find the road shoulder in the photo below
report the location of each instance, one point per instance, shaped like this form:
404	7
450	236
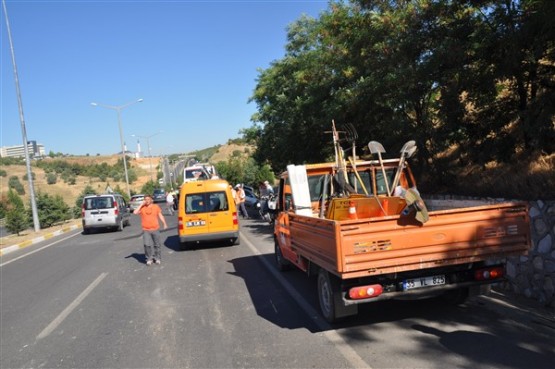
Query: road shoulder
29	237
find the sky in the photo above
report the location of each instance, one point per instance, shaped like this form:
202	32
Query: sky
194	64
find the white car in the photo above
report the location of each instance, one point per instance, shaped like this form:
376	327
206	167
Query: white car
136	201
104	211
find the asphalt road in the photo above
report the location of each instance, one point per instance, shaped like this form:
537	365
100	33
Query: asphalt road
89	301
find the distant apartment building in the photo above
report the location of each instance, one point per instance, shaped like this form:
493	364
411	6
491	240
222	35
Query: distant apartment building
35	150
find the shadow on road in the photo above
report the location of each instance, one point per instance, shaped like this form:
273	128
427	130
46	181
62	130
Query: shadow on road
504	336
139	257
487	348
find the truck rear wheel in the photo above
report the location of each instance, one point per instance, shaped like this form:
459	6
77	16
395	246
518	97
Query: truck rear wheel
281	263
327	291
329	294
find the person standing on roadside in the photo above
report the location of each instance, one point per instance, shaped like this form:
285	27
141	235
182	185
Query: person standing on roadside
151	214
169	203
240	200
265	190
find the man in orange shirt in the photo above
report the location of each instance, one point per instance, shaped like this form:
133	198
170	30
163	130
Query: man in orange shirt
150	214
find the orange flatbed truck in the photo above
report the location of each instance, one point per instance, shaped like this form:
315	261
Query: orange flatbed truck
369	246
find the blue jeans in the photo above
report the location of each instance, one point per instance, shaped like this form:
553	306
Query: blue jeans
153	249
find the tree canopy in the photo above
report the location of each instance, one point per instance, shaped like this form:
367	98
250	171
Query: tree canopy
472	82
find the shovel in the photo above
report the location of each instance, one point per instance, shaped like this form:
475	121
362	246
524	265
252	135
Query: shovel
377	148
407	151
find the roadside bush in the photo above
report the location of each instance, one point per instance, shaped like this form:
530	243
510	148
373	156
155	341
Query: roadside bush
132	175
17	219
14	183
26	177
123	193
51	178
3	206
51	210
3	173
76	210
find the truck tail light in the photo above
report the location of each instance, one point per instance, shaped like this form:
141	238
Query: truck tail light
83	211
234	216
489	273
365	292
180	223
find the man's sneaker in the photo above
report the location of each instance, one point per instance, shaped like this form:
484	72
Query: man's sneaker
157	262
149	262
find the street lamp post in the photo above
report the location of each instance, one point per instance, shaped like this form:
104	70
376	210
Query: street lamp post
148	145
118	109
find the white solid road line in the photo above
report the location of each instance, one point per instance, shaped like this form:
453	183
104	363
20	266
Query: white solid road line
335	338
37	250
60	318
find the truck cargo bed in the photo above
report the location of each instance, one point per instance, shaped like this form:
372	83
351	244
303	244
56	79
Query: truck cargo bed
391	244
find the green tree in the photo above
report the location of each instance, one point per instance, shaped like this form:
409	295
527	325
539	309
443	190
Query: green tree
76	209
88	190
265	173
238	169
132	175
469	81
123	193
149	187
17	218
51	210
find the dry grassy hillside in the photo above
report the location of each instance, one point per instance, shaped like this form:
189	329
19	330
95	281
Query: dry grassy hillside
225	151
71	192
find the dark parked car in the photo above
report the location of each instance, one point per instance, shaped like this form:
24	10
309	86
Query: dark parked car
250	197
159	195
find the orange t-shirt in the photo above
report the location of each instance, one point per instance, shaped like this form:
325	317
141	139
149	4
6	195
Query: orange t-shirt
149	217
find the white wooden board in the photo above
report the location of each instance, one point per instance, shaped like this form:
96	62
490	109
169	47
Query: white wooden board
299	188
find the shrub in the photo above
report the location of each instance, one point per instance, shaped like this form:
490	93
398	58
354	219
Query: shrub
86	191
14	183
132	175
3	207
51	210
51	178
17	218
26	177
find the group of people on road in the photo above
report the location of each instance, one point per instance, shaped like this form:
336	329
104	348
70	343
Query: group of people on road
152	215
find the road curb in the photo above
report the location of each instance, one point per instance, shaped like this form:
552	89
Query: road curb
44	237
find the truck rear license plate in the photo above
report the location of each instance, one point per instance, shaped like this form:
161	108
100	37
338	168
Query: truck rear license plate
196	223
435	280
